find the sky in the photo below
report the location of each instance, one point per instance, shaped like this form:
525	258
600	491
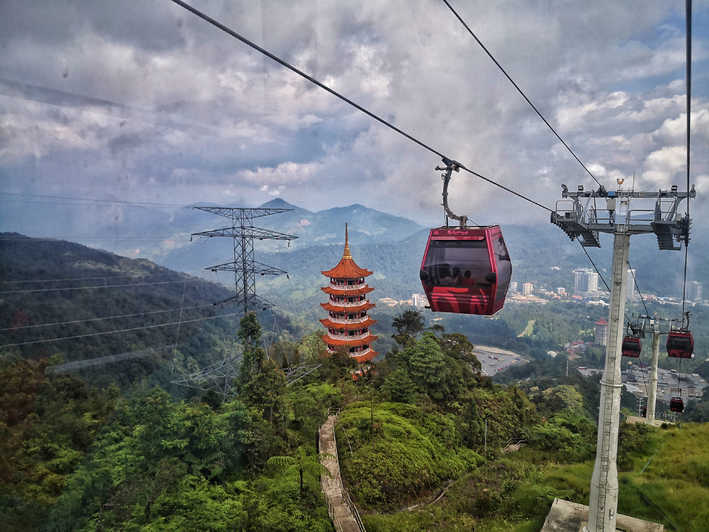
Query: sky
144	102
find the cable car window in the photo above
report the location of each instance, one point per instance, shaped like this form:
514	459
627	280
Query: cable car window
457	262
504	266
680	342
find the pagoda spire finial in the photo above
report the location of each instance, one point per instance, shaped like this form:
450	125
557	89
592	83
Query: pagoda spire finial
347	254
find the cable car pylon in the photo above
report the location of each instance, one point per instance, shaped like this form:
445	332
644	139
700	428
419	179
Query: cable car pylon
578	215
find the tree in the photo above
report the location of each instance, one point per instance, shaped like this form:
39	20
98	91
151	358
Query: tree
249	329
266	391
302	462
399	387
407	324
458	346
427	366
254	355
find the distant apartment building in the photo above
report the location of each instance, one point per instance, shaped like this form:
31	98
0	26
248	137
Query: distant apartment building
514	286
527	289
585	281
694	291
419	300
601	333
630	284
561	291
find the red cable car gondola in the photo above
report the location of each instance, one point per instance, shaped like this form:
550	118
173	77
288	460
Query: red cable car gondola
680	344
466	270
631	346
676	404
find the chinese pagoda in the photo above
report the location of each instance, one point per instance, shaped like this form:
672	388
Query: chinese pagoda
347	322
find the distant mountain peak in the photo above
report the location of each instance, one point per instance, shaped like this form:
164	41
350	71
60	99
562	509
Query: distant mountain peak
278	203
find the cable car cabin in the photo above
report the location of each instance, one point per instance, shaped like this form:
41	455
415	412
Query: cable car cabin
680	344
466	271
676	404
631	346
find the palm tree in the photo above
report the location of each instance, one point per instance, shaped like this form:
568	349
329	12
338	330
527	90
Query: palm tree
301	462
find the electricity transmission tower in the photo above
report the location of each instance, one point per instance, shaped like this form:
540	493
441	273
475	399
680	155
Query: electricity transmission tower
243	232
220	376
579	217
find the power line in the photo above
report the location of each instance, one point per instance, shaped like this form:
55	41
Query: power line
103	318
74	238
98	286
521	92
94	200
92	278
117	331
391	126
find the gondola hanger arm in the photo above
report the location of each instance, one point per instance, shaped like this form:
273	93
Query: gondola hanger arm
446	176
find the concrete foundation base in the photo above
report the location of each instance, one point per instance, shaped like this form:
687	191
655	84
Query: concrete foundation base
656	423
566	516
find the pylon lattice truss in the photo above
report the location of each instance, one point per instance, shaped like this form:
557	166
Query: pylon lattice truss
243	232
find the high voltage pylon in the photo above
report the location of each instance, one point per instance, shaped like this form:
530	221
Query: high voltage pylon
243	232
220	376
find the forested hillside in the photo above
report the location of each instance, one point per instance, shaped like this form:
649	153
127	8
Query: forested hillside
68	302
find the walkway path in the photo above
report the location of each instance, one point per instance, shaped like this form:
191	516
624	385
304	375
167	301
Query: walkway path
337	500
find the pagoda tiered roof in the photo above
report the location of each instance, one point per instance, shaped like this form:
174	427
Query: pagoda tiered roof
349	343
366	357
366	305
348	326
347	292
347	268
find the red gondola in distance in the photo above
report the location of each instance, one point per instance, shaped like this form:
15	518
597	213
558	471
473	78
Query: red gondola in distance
466	270
680	344
676	404
631	347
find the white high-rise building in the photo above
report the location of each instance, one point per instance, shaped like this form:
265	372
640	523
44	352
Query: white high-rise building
585	281
630	283
694	291
514	286
419	300
527	289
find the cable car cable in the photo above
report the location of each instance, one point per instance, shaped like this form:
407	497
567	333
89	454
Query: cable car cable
688	37
635	281
594	267
117	331
391	126
521	92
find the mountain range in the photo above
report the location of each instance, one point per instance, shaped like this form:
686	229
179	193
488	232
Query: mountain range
389	245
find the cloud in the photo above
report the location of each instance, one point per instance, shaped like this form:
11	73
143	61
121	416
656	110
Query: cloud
147	102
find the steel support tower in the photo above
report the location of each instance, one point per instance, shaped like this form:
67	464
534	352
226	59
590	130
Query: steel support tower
243	232
658	327
579	216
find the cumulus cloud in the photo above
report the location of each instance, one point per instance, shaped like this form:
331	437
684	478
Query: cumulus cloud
146	102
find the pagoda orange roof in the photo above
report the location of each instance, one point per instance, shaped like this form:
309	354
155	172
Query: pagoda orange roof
348	326
349	343
353	292
347	268
366	305
369	355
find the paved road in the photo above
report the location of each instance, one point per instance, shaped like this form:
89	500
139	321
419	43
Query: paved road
340	512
